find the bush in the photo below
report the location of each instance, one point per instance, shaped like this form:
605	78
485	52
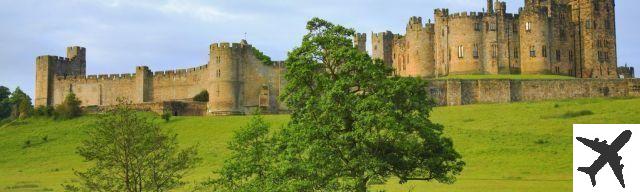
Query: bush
203	96
44	111
572	114
69	109
27	143
166	115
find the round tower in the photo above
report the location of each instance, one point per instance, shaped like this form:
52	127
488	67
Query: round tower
466	45
224	67
419	49
534	34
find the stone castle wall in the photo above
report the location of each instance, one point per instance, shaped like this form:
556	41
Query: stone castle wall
464	92
236	80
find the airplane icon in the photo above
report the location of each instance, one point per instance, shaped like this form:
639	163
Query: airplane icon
608	154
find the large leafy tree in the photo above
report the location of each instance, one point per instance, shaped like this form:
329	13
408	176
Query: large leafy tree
352	124
131	153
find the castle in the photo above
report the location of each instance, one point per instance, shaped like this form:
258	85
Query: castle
237	81
566	37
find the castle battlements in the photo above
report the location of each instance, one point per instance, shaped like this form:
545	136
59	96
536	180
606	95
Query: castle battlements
465	15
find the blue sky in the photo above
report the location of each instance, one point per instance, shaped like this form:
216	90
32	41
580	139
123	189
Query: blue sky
168	34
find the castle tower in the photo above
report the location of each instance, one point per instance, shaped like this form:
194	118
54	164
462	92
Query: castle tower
144	80
78	64
224	66
419	49
360	41
441	41
534	34
45	67
490	6
595	38
382	47
501	7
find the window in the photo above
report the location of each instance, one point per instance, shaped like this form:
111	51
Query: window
570	56
475	51
532	51
478	26
544	51
558	56
527	26
460	51
494	50
218	73
217	59
492	26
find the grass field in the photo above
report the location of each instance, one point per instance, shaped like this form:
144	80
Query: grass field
507	147
514	77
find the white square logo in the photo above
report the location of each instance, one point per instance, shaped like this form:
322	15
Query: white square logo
606	158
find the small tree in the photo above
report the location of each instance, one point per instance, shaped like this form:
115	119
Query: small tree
132	154
70	107
21	106
5	104
203	96
251	156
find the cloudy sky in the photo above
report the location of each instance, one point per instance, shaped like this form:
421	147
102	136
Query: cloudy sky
168	34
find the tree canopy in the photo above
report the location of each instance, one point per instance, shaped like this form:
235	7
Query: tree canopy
131	153
353	124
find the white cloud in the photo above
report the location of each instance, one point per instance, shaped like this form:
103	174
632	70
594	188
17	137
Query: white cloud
206	13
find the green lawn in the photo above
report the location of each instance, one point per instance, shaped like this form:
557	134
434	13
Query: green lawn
507	147
515	77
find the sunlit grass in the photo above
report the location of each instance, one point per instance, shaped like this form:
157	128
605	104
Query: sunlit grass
507	147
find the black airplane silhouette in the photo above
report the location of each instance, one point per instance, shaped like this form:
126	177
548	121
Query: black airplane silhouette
608	154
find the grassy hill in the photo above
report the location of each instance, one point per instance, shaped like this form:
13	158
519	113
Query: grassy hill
507	147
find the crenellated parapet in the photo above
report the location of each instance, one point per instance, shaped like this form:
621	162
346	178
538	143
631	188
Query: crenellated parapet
467	15
180	72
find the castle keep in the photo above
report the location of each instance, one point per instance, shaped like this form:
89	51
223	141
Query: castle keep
565	37
236	80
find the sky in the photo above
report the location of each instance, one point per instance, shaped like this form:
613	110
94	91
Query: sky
172	34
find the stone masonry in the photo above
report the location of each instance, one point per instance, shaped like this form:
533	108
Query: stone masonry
237	82
565	37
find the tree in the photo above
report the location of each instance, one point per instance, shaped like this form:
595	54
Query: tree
5	105
251	156
352	124
203	96
70	107
21	106
131	153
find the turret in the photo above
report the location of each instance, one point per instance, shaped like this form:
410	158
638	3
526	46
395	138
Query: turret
143	84
360	41
224	71
501	7
382	47
77	55
490	6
